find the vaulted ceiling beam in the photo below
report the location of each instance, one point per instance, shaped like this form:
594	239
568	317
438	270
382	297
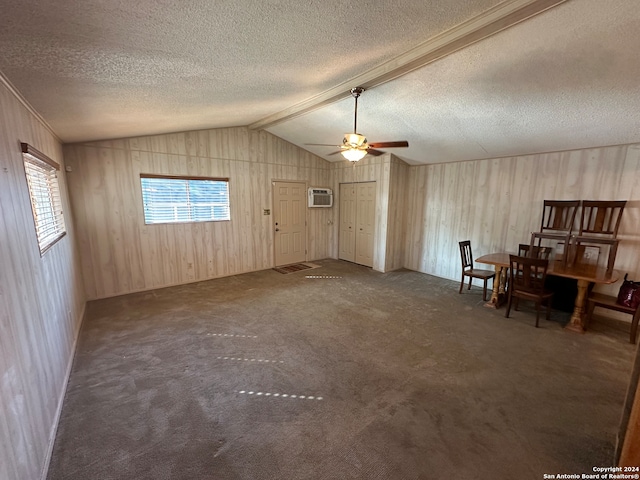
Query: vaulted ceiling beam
490	22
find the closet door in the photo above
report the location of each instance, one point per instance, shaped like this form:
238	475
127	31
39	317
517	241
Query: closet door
365	222
347	234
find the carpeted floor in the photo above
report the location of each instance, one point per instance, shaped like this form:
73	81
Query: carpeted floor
350	375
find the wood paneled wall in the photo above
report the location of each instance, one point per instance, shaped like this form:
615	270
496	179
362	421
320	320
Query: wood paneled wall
497	203
396	214
41	304
120	254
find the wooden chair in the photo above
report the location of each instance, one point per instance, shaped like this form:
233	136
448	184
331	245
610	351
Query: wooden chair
557	221
538	252
610	302
599	224
468	271
526	281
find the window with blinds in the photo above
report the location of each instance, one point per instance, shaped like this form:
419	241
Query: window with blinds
169	199
44	192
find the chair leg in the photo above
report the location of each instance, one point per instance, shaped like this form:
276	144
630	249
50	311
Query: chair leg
634	326
484	291
537	313
461	283
470	278
549	309
506	314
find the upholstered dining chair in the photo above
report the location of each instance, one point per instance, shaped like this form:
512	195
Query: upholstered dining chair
526	281
466	257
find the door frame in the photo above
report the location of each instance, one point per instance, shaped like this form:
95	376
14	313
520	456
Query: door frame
272	221
375	225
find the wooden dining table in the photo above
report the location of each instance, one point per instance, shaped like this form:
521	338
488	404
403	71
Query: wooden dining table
586	275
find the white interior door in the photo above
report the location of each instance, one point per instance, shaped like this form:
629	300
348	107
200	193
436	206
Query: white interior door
365	222
290	225
357	222
347	234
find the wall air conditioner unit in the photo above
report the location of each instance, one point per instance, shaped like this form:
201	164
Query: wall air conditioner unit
320	197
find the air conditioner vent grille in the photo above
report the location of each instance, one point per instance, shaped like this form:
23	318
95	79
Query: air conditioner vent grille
320	197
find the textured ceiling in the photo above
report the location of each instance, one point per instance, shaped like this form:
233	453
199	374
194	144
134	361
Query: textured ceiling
95	69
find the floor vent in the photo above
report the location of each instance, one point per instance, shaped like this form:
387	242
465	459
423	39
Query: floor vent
295	267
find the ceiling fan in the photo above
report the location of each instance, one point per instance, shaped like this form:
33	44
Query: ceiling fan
354	145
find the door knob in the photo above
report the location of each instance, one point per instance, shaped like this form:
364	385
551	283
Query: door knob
277	229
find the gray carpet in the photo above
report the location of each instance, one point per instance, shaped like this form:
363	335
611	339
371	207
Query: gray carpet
366	376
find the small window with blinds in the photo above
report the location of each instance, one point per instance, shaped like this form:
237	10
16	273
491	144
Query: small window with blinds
172	199
44	191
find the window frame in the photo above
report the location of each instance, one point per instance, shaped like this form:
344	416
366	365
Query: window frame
185	178
43	185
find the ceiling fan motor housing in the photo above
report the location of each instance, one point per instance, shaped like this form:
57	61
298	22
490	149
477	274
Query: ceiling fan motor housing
354	140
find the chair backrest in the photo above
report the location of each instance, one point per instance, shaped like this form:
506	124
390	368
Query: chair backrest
538	252
527	274
601	217
559	215
465	254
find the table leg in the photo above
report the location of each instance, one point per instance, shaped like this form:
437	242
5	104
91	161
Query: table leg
576	324
498	292
502	289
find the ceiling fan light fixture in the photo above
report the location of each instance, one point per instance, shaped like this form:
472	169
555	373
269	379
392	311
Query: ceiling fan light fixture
353	154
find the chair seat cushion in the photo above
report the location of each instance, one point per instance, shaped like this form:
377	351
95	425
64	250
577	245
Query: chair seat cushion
479	273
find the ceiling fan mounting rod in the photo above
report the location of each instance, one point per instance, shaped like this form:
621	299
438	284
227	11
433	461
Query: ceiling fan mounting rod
355	92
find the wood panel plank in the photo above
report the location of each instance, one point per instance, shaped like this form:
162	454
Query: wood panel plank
397	214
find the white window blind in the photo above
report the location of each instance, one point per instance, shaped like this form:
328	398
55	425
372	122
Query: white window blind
44	192
169	199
